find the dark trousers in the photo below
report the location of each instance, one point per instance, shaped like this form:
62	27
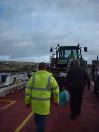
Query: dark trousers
76	94
40	122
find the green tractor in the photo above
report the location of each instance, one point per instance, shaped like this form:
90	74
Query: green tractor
62	59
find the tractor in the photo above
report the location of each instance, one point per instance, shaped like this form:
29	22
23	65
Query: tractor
62	59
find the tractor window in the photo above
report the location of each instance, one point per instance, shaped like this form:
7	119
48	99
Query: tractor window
70	54
64	54
67	53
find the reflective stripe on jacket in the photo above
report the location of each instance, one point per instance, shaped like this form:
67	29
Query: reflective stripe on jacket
38	92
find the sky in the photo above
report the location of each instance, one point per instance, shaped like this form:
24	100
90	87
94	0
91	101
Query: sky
28	28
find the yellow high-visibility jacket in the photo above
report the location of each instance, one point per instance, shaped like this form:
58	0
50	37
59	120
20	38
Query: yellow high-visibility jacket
38	92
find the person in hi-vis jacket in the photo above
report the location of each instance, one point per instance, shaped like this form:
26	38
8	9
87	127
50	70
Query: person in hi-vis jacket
38	93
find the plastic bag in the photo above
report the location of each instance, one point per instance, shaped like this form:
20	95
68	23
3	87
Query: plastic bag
64	97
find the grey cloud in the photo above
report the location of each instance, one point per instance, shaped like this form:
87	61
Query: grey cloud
30	28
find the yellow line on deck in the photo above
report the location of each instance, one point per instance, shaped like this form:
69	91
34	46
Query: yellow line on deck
5	100
23	123
8	105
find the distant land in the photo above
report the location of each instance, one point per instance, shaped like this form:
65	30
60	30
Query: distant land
14	66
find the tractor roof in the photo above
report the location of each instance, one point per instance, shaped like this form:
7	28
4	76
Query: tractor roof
69	47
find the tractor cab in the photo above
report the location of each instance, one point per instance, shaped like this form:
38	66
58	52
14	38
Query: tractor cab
62	59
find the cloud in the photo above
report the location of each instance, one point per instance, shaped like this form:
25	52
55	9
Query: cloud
29	30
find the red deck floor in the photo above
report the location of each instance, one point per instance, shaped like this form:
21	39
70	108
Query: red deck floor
13	116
